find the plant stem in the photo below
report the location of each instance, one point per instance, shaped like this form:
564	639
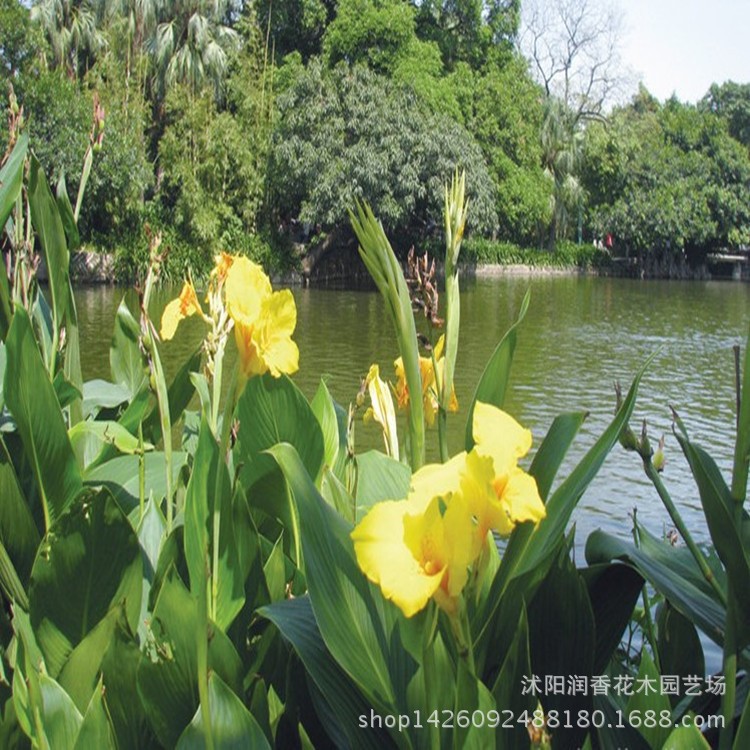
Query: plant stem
674	514
443	433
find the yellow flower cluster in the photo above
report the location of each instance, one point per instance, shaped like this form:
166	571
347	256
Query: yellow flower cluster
423	547
432	373
263	320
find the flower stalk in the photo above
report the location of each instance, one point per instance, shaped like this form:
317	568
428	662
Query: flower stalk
456	210
378	256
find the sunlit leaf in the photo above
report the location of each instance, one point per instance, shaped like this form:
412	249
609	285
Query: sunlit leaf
31	399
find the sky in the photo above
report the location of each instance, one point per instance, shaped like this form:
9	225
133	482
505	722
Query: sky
683	46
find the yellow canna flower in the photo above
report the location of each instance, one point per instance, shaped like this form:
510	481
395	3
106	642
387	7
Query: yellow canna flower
184	306
427	372
417	549
264	321
223	262
422	547
382	410
500	493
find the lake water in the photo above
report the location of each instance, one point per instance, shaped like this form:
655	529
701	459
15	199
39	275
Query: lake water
581	334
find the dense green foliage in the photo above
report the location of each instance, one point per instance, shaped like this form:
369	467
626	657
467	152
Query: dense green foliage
667	177
253	126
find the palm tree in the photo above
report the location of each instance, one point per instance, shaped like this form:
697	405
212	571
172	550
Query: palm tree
561	156
71	27
189	44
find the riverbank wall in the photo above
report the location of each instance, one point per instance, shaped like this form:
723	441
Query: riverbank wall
99	268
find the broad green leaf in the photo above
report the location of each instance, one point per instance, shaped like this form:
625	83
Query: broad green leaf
168	671
494	381
341	597
325	412
66	215
336	495
130	419
273	410
124	706
10	582
553	450
613	593
45	217
507	690
99	394
60	718
724	518
125	357
649	699
44	325
72	358
379	477
670	570
680	649
11	179
18	532
32	401
179	394
564	499
92	563
65	391
614	730
688	738
561	609
295	619
209	502
80	674
96	729
120	476
232	725
107	433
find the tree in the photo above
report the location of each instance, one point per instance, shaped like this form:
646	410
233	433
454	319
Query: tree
73	32
573	47
561	144
211	187
731	101
468	30
371	31
350	134
667	179
502	107
190	45
18	40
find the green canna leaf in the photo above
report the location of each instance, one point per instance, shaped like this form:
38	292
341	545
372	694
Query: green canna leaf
32	401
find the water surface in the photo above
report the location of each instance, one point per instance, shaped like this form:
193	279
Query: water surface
581	334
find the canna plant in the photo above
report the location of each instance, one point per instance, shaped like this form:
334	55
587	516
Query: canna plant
703	589
208	562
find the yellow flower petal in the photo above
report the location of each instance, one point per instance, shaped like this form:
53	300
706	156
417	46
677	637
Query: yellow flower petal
388	562
281	356
436	480
185	305
382	409
522	498
498	435
246	289
170	319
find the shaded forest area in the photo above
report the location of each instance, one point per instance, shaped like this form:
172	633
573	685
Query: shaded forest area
253	127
